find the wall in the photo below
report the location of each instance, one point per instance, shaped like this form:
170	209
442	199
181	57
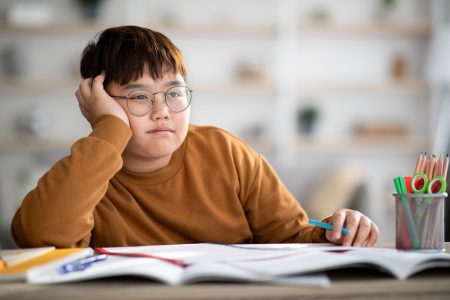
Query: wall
252	66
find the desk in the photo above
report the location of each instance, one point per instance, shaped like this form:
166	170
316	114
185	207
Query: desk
346	284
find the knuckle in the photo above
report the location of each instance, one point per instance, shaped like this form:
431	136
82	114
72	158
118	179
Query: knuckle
339	213
365	222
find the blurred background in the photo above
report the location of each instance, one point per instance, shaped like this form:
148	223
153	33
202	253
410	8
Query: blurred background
340	96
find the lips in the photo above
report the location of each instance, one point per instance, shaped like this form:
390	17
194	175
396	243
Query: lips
160	130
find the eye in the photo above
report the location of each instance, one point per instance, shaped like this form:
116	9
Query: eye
174	94
138	97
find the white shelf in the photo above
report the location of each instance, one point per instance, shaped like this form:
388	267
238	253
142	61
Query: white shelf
244	87
28	144
39	85
364	145
18	85
412	29
90	28
408	86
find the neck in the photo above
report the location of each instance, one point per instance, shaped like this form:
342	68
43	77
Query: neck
139	165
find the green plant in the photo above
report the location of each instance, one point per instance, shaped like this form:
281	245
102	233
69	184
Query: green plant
308	113
88	2
389	3
89	8
306	118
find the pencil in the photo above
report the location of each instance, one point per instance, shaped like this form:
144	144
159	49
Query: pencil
436	168
2	262
418	164
431	168
439	167
424	164
444	172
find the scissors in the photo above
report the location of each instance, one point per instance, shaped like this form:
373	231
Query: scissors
421	185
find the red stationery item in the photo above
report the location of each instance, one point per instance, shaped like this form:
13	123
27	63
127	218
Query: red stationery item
407	180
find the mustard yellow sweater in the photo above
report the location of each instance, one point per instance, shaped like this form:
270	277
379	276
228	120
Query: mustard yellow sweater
215	189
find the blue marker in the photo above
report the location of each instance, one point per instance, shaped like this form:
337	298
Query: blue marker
326	226
81	264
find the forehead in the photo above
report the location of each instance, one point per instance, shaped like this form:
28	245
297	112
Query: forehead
147	82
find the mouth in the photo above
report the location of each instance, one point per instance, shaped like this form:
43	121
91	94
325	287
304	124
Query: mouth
161	130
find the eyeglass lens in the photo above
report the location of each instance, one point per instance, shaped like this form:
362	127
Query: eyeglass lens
141	102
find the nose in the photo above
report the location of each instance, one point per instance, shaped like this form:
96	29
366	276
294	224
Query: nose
160	111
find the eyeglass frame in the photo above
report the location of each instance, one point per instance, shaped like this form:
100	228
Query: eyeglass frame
154	100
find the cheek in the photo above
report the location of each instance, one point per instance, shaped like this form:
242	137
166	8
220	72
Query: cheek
123	104
183	122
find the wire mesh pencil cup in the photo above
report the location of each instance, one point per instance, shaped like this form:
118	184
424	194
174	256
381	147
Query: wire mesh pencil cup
419	222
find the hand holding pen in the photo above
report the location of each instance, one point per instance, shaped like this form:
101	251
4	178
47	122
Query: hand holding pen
360	231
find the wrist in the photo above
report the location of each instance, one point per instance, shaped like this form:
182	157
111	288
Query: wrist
112	129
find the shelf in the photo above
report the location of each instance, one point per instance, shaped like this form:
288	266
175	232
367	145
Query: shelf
364	145
65	28
413	29
90	28
39	85
243	87
411	86
35	145
70	84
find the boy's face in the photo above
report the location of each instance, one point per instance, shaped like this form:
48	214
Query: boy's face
159	133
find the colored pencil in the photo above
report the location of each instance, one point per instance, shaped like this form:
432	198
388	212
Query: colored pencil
418	164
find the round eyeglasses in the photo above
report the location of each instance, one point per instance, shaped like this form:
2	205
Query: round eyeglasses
141	102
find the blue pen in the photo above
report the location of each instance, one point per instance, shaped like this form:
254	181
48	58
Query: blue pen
81	264
326	226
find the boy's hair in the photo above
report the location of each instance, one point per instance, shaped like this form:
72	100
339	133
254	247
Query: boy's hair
126	52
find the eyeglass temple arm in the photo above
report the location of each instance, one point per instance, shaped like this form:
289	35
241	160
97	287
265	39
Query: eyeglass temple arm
120	97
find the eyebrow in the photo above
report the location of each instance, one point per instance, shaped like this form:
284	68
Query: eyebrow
131	86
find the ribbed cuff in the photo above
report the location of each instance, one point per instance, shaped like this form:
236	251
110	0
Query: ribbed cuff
112	130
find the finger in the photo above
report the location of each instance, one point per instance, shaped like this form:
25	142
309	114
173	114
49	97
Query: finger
373	236
78	94
85	88
97	83
352	223
363	232
338	220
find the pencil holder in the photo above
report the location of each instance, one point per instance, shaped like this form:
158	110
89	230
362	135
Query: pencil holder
419	222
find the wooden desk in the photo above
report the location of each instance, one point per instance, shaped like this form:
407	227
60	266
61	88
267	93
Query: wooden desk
346	284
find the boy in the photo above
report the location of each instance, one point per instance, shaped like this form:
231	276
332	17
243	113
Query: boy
145	176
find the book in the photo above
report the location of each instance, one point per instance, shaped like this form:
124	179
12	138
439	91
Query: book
266	263
19	261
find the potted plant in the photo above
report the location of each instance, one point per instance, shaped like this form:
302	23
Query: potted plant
307	118
90	8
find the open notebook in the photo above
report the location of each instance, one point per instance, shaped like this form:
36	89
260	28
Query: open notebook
191	263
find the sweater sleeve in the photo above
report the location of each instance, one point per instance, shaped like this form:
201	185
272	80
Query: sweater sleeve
59	211
273	213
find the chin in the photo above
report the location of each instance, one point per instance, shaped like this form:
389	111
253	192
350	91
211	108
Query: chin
159	152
